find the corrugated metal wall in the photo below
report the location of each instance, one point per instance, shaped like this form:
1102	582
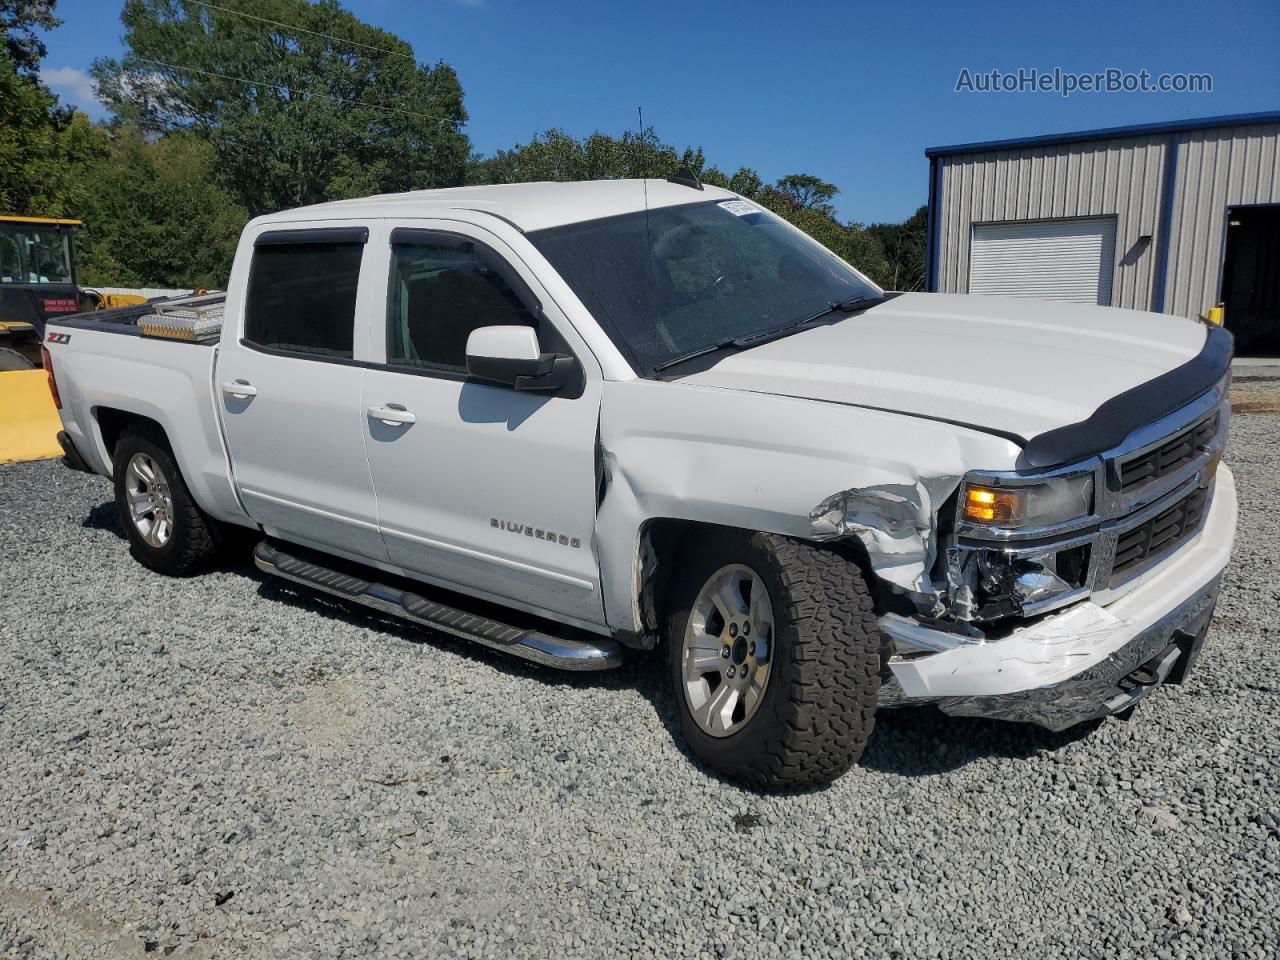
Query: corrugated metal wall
1217	168
1120	178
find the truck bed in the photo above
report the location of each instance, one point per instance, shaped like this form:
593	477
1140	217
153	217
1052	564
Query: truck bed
107	370
124	320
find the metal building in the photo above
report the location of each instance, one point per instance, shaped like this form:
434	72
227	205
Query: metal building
1175	217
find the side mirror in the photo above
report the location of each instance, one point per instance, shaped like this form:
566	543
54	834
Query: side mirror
511	356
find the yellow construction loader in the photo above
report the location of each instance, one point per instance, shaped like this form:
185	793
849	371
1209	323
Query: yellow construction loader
37	281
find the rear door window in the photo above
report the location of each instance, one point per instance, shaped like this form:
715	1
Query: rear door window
302	295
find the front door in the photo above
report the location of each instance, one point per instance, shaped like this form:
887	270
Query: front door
482	488
289	387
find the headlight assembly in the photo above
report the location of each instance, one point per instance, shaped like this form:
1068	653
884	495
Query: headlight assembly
1045	503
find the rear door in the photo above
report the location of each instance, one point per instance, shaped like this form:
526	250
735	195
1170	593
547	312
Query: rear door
483	488
289	387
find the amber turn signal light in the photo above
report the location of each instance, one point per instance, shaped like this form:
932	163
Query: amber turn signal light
986	505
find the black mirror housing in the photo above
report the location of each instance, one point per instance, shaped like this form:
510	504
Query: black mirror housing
547	373
507	370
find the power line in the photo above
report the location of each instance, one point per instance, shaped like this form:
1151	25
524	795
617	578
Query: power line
386	50
297	93
292	26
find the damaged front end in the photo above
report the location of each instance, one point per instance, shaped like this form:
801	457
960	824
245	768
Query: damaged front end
996	566
948	544
1021	545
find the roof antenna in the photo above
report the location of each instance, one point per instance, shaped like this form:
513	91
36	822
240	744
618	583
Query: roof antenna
686	178
643	178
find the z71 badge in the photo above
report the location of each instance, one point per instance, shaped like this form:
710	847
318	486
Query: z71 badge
59	338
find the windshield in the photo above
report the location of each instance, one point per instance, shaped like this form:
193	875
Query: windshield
33	255
686	278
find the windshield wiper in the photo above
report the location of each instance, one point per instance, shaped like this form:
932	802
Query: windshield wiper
755	339
700	352
836	306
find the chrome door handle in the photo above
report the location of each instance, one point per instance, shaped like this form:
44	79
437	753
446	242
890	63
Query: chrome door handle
240	389
392	415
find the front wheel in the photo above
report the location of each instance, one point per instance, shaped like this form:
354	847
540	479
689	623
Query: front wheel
774	652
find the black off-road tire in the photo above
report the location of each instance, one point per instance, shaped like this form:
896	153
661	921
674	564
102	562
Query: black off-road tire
818	708
197	539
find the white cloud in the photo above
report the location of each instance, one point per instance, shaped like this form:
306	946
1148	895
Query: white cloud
75	85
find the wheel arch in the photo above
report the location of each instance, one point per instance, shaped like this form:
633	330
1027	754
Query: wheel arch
112	422
661	541
206	471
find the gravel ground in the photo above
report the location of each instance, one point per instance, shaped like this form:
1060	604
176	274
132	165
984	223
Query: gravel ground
226	767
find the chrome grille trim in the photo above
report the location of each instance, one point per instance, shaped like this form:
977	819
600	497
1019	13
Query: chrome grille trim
1115	510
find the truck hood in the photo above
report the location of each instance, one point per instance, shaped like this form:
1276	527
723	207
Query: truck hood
1012	366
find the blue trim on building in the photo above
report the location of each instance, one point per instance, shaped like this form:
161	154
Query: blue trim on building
1108	133
931	231
1169	186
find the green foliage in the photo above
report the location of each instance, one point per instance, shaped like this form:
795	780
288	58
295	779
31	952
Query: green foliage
19	21
41	148
556	156
904	245
294	117
746	182
156	216
803	191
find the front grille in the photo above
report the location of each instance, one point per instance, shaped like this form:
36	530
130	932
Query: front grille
1159	535
1175	452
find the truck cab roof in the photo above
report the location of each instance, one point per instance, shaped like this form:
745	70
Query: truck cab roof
528	206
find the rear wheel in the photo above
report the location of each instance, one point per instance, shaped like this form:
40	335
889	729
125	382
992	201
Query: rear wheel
167	531
774	653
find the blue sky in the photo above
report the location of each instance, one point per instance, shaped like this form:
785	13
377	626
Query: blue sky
850	92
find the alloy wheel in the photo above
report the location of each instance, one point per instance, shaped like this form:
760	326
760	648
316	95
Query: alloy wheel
728	644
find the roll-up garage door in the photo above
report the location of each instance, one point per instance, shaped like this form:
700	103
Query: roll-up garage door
1049	259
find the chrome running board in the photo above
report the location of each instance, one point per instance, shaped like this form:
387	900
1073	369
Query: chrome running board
601	654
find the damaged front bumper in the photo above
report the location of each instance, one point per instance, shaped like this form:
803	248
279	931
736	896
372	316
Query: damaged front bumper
1086	661
1163	653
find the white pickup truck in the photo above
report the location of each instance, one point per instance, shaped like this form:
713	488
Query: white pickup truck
567	419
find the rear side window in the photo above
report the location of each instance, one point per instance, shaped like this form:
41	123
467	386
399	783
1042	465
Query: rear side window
302	297
440	292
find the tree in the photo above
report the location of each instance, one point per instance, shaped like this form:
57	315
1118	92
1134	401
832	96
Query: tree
555	155
19	21
41	147
803	191
27	174
746	182
155	215
294	116
904	247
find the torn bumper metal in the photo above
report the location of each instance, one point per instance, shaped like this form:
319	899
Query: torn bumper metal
1164	652
1086	661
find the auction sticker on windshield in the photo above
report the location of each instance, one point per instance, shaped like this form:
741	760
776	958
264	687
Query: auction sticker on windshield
740	208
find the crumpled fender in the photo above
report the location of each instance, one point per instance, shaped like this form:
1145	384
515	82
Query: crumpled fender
776	464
